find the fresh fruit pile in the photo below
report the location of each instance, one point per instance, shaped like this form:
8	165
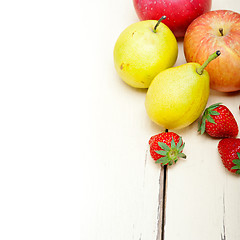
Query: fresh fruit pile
144	57
218	122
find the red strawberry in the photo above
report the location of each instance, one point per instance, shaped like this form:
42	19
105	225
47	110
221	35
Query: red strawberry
229	150
218	122
166	148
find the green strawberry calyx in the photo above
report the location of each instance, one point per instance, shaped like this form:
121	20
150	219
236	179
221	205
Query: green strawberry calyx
207	117
170	154
237	163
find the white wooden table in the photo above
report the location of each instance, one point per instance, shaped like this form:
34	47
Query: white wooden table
74	159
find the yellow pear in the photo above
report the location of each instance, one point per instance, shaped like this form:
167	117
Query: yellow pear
143	50
177	96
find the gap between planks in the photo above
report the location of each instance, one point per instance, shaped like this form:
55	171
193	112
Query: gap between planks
162	195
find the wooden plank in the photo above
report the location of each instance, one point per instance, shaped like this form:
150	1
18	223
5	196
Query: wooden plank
162	196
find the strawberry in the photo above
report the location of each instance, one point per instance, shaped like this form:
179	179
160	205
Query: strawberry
166	148
229	150
218	122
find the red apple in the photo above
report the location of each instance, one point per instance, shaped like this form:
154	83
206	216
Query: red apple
180	13
216	30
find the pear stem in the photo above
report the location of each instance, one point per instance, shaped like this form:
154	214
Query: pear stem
221	31
210	58
159	21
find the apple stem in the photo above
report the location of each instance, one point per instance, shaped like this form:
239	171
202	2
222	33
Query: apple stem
210	58
159	21
221	31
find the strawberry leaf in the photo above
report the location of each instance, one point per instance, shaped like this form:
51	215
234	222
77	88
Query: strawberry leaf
161	152
202	127
170	162
213	106
210	119
179	142
182	155
163	160
173	144
207	117
215	113
199	125
181	148
236	161
236	167
164	146
237	164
